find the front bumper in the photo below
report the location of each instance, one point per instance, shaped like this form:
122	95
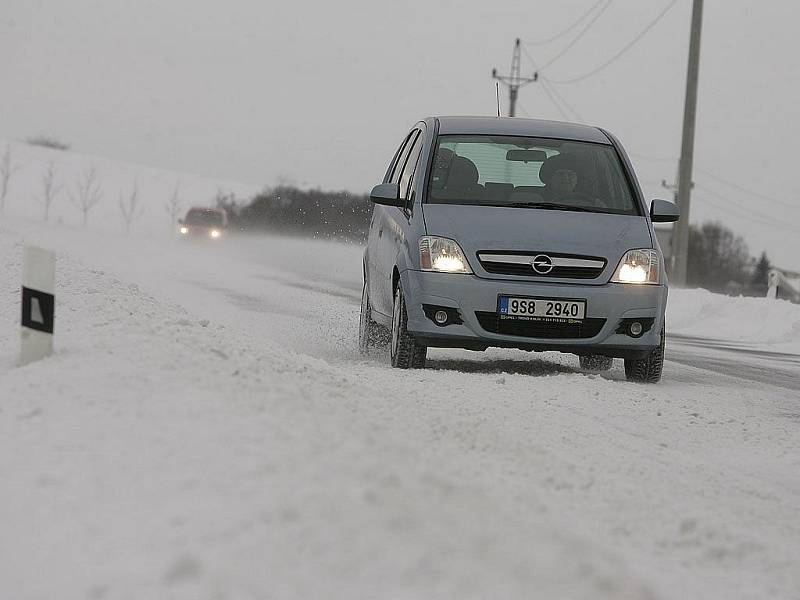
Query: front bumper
469	294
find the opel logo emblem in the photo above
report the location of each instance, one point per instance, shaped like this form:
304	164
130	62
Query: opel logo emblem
542	264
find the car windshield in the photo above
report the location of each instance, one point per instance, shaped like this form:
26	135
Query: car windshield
204	218
528	172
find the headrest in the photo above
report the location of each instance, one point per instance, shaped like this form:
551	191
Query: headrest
559	161
463	173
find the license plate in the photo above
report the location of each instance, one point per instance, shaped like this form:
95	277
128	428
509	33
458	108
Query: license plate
541	309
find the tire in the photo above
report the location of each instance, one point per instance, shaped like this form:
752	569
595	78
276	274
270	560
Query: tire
370	333
596	363
405	352
648	369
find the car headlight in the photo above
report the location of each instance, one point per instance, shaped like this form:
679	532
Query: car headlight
640	266
215	233
184	230
442	255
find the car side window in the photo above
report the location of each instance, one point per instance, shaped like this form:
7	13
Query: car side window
400	159
407	177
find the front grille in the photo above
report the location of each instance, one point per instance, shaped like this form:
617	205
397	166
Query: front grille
587	328
565	266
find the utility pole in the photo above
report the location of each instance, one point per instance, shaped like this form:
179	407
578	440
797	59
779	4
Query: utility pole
515	80
670	260
680	234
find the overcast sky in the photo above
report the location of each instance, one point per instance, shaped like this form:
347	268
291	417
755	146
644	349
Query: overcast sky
320	93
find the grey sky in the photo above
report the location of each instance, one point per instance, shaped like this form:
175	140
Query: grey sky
321	92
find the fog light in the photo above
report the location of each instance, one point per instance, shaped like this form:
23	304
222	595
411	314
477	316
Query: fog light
440	317
635	329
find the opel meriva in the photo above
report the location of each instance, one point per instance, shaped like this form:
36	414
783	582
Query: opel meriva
516	233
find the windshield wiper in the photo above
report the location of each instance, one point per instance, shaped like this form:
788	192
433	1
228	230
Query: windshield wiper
550	206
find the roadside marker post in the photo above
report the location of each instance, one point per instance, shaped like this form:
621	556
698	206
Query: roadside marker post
38	303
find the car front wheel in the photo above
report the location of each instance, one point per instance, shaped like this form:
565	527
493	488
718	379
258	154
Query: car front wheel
648	369
406	353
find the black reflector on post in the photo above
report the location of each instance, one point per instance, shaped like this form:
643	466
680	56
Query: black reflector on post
38	310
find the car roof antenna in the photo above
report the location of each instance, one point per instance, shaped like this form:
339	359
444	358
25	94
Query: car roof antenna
497	95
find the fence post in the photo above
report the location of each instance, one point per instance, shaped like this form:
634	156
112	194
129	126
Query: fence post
38	304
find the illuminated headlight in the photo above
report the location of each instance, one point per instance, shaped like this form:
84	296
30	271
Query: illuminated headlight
639	266
184	230
214	233
441	254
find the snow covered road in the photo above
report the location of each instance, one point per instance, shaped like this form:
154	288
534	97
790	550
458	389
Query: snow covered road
207	429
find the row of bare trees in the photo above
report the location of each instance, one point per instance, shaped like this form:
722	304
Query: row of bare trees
85	195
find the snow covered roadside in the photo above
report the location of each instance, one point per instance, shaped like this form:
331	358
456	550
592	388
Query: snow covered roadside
254	455
756	321
158	455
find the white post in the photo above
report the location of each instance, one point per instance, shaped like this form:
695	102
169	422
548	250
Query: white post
774	279
38	303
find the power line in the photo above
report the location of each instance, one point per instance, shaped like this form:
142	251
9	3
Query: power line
522	109
555	97
546	84
556	103
624	49
722	180
736	186
530	58
568	29
575	40
739	214
744	210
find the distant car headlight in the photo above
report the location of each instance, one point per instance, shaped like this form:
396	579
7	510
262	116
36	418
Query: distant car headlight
642	266
442	255
215	233
184	230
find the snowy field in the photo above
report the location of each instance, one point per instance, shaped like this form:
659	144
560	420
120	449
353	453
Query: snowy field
207	429
114	180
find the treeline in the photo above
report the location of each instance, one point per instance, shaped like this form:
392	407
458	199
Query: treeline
720	261
329	215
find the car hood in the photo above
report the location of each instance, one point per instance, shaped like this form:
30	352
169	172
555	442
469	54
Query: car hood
481	228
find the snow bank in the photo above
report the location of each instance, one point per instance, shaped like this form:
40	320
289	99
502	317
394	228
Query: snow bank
762	321
158	454
114	178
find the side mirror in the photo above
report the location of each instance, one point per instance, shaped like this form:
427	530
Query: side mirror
387	194
663	211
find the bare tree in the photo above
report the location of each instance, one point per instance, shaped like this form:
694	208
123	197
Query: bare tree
173	204
87	193
50	188
129	207
7	169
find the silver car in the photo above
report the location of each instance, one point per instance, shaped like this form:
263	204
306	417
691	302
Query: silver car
515	233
